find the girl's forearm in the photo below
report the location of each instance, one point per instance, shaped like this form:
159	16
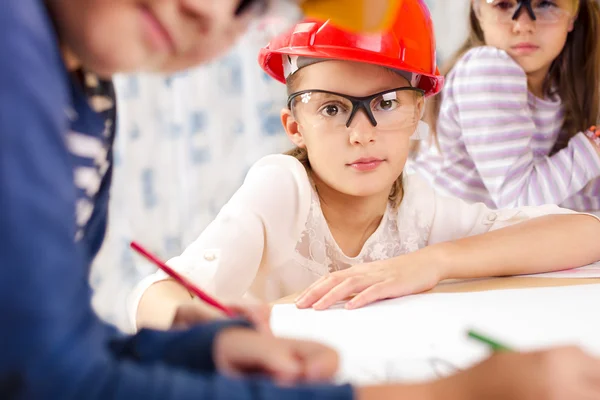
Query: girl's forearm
158	304
544	244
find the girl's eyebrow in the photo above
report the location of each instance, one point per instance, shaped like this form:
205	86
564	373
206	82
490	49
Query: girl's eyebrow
327	95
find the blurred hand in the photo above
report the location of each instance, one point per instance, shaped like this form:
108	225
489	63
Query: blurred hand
239	351
370	282
195	312
558	374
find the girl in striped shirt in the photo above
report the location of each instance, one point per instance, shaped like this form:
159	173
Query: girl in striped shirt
512	125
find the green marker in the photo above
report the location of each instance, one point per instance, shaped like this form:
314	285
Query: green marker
494	345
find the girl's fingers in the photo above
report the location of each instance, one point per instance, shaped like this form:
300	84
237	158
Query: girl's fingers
310	288
346	288
379	291
325	284
318	290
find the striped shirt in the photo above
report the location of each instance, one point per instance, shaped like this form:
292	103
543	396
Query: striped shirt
496	137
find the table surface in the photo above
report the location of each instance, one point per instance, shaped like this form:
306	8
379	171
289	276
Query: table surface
480	285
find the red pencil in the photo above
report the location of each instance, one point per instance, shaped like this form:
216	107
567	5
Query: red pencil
184	282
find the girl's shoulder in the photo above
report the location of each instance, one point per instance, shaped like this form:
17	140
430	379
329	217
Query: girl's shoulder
283	177
277	189
486	74
416	186
487	61
418	194
283	164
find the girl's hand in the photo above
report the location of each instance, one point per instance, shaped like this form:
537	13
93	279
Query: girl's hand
554	374
370	282
195	312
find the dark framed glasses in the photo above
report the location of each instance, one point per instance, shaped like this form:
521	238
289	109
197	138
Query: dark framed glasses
394	109
507	11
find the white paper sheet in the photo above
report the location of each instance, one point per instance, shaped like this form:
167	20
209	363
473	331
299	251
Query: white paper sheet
422	337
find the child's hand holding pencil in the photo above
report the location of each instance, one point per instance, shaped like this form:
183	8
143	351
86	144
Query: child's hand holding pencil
195	312
208	308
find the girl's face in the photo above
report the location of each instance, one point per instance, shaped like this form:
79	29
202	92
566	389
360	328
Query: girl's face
110	36
532	44
357	159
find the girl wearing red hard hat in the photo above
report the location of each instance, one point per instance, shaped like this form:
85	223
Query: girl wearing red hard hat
337	215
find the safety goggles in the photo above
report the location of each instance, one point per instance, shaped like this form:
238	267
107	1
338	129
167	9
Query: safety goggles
390	110
507	11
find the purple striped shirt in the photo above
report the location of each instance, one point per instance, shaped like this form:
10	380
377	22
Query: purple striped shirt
495	139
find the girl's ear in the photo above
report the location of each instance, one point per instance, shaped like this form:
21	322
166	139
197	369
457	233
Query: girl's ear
573	20
421	106
292	128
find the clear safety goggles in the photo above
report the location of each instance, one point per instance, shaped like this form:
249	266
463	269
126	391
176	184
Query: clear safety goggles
391	110
507	11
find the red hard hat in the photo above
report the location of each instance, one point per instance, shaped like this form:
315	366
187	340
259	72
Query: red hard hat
409	45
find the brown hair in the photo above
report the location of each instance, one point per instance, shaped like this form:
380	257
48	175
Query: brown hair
575	73
396	193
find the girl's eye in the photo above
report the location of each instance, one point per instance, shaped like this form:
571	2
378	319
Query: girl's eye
331	110
386	105
544	4
504	5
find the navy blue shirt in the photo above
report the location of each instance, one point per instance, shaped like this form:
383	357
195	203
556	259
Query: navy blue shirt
55	154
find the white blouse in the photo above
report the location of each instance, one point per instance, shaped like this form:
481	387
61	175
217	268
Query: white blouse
271	239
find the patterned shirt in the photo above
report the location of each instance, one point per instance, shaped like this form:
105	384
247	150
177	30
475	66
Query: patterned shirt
496	139
90	146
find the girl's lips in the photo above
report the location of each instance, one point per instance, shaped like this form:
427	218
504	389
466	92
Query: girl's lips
158	35
366	164
525	48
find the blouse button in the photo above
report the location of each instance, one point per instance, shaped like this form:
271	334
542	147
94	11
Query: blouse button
492	217
210	256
